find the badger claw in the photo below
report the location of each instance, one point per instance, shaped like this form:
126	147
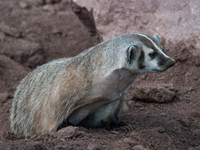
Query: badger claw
125	127
83	129
119	126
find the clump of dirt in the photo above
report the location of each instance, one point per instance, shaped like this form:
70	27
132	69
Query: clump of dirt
154	92
164	109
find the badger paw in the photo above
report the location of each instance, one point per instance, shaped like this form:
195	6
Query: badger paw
122	126
118	125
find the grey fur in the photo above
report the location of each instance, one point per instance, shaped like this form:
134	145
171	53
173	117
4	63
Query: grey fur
157	38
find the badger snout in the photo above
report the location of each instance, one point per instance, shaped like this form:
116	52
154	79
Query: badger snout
169	63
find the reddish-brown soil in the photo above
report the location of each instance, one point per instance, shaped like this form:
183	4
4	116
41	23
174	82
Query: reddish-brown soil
35	32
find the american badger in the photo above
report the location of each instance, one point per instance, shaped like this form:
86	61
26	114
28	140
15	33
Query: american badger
85	90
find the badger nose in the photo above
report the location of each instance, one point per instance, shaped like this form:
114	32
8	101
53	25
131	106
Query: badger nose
172	63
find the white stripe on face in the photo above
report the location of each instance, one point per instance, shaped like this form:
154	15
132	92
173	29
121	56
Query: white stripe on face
155	45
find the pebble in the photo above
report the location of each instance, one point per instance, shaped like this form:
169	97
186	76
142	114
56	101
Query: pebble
2	36
11	31
161	129
68	132
163	114
62	139
33	137
3	97
139	147
130	142
24	5
92	146
114	132
48	8
185	122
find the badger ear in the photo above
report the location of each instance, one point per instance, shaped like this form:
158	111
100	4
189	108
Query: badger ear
157	38
132	52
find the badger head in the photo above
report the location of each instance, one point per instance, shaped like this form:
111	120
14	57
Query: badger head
147	55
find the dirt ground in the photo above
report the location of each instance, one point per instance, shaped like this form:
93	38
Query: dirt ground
164	107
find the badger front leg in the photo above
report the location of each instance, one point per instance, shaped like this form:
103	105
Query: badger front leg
111	121
99	114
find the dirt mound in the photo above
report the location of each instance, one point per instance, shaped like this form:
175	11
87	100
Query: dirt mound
71	138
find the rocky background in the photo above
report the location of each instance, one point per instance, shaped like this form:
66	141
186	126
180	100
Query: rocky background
164	107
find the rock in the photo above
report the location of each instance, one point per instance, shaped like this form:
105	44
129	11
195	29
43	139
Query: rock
119	145
12	72
33	137
2	36
42	137
68	132
48	8
114	132
173	20
24	4
92	146
185	121
35	60
62	139
139	147
160	129
27	53
154	92
86	17
162	114
11	31
130	142
135	137
3	97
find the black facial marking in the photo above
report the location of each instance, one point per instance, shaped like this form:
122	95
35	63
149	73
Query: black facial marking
141	60
153	55
161	60
132	56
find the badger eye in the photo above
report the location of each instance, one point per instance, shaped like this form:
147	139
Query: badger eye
152	55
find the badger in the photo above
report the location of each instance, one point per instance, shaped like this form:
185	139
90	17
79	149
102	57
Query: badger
87	90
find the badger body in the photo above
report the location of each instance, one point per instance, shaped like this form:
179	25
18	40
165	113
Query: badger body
88	89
